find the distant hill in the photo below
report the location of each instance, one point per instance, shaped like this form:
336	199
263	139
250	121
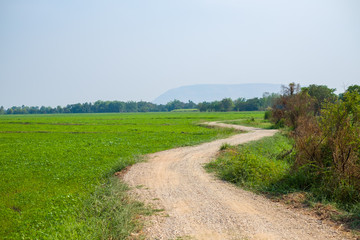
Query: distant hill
212	92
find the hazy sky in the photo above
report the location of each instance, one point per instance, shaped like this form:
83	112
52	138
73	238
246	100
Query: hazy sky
68	51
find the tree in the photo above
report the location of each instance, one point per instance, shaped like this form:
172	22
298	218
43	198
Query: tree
131	106
144	106
239	104
216	106
2	110
190	105
175	104
204	106
252	104
353	88
59	109
321	94
9	111
290	90
268	100
227	105
292	105
34	110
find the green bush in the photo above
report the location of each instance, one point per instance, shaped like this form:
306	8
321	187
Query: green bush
267	115
254	165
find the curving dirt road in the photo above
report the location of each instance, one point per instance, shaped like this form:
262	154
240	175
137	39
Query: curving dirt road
199	206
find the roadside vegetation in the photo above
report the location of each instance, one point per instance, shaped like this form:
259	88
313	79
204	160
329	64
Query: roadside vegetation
316	154
258	166
57	171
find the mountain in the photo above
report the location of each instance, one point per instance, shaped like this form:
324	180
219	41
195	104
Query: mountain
212	92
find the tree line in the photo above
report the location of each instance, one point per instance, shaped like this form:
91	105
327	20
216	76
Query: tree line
227	104
240	104
320	92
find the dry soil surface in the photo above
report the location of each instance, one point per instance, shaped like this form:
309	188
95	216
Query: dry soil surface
199	206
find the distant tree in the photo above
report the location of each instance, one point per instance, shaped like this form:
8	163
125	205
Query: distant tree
144	106
204	107
227	105
42	110
21	110
86	107
131	106
34	110
122	107
239	104
190	105
59	109
2	110
75	108
216	106
9	111
113	106
268	100
321	94
66	109
252	104
175	104
101	106
290	90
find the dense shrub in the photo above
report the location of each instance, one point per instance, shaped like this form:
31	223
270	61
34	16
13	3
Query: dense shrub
327	141
267	115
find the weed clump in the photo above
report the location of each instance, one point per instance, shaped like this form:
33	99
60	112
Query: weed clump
224	146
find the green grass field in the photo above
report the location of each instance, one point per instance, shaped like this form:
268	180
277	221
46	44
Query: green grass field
50	165
252	119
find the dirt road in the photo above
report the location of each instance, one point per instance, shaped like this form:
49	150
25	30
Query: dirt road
199	206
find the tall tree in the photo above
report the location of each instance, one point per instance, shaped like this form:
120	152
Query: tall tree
321	94
227	105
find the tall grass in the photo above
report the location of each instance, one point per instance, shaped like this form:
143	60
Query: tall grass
256	165
109	213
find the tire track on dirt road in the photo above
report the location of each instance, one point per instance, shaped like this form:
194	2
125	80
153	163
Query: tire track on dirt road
199	206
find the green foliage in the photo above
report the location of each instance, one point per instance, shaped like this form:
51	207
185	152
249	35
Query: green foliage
353	88
320	94
340	123
267	115
328	145
51	164
103	107
240	104
227	105
254	165
328	150
350	89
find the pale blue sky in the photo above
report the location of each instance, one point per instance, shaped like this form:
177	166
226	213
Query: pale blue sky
59	52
